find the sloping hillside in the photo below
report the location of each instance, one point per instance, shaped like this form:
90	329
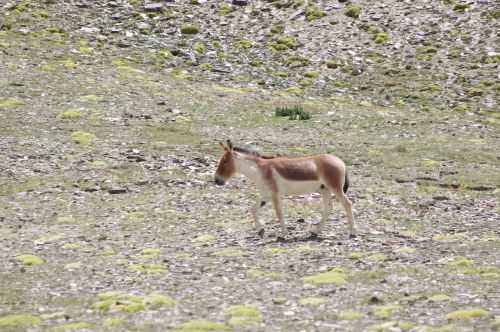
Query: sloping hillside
422	54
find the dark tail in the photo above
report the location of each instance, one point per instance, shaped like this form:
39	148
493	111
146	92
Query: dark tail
346	182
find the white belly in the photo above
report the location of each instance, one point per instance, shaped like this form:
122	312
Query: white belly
287	187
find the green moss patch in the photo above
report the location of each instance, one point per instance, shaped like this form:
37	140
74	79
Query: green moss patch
90	98
70	115
448	237
496	324
356	255
243	315
332	64
29	260
120	301
149	268
10	103
244	44
19	320
336	277
311	74
381	38
189	29
352	11
114	322
225	9
283	43
306	248
296	61
73	327
71	246
459	262
313	301
391	326
275	251
313	13
460	7
201	326
376	258
349	315
199	48
205	238
439	298
384	312
406	250
467	314
485	271
149	253
294	90
81	137
73	266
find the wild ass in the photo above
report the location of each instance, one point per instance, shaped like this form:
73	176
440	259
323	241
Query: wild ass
276	177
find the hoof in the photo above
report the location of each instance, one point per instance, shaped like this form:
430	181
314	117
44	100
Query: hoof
352	236
261	233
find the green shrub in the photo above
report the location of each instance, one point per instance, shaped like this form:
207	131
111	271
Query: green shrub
332	64
293	113
297	61
311	74
381	38
312	13
199	48
460	8
225	9
189	29
277	28
353	11
284	43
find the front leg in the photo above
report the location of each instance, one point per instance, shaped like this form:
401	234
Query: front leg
255	213
327	208
279	213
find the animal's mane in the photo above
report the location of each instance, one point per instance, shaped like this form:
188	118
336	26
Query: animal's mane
251	152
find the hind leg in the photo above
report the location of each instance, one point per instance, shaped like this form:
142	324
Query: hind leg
347	205
279	213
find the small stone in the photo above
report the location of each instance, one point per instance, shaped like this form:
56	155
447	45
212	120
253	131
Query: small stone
153	7
89	30
143	26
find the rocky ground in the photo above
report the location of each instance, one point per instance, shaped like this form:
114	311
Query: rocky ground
110	116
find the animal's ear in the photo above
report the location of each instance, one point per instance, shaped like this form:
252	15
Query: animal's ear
223	146
229	144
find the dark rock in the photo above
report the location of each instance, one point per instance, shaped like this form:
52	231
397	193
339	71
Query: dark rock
115	191
240	2
124	44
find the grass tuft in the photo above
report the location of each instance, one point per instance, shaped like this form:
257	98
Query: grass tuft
293	113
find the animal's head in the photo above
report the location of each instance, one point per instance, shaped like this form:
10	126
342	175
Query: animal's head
226	167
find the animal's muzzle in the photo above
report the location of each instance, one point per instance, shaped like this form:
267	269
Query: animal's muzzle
219	181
